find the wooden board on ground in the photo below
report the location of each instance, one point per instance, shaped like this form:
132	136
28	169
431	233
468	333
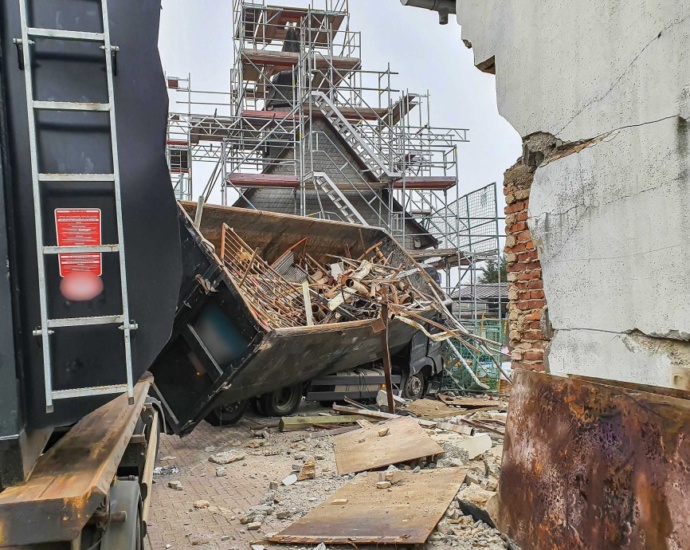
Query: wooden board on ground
365	449
292	423
379	414
429	408
406	513
469	402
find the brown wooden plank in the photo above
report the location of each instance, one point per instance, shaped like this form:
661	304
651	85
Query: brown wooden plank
406	513
470	402
292	423
366	450
428	408
380	414
71	480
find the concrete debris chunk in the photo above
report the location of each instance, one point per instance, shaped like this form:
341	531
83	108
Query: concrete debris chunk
176	485
481	504
226	457
383	484
339	501
308	471
221	471
254	526
166	471
384	432
290	480
202	504
474	446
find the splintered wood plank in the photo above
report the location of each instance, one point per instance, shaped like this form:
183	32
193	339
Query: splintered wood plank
470	402
406	513
292	423
365	449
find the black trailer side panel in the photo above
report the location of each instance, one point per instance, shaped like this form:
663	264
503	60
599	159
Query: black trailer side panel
79	142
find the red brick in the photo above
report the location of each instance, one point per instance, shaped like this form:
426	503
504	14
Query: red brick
536	294
534	355
537	304
523	236
534	315
521	216
532	335
516	227
537	284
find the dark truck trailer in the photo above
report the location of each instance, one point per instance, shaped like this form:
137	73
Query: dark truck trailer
221	352
84	185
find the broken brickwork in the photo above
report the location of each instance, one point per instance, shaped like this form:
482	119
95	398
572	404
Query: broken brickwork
527	309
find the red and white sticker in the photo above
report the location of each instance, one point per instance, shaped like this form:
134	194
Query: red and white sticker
79	227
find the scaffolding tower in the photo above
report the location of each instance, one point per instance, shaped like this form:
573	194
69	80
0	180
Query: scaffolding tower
304	129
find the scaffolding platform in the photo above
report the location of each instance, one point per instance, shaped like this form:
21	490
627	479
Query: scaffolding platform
258	65
431	183
264	180
266	24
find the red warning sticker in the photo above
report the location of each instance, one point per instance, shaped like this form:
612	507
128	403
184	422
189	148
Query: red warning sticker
79	227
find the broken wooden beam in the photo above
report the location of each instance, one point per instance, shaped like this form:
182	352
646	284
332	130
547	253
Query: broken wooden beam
294	423
378	414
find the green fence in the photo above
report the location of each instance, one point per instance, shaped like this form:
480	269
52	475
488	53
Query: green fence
455	375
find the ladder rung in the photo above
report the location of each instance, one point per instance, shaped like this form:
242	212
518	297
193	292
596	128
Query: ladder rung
85	392
85	321
58	34
70	106
76	177
92	249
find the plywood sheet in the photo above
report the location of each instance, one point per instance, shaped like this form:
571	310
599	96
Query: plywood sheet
406	513
428	408
365	449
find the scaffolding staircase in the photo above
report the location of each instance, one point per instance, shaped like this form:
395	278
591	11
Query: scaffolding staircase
362	145
325	184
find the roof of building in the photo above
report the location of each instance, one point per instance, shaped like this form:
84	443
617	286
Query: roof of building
488	291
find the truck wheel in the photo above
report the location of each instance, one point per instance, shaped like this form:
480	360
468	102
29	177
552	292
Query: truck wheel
126	531
414	386
227	415
282	402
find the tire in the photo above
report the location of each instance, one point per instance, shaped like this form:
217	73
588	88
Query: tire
227	415
282	402
414	386
124	497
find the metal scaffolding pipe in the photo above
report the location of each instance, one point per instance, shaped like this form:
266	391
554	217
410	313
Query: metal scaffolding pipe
443	7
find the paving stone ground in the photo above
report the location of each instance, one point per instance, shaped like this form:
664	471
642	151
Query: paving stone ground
175	523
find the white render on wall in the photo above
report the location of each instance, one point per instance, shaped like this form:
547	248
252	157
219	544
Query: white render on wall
612	227
627	357
579	69
611	220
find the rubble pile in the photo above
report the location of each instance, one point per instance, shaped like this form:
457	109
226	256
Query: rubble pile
297	290
300	472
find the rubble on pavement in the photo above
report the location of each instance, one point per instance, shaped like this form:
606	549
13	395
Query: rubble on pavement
300	474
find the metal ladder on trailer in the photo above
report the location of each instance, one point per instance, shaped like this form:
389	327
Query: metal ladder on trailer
48	325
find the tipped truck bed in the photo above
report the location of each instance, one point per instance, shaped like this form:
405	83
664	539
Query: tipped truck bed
220	351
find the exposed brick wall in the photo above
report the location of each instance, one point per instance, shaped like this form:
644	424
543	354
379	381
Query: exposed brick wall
527	312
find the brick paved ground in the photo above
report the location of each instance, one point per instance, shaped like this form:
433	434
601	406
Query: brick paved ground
174	523
173	519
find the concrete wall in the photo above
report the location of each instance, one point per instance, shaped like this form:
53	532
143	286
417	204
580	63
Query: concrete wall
609	83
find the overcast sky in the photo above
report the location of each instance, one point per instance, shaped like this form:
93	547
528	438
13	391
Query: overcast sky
196	38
